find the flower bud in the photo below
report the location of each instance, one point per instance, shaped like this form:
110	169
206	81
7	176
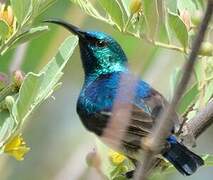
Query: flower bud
196	18
206	49
135	6
3	81
6	14
18	78
185	16
9	101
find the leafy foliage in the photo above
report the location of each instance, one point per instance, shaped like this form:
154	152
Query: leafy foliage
22	15
179	28
35	89
113	9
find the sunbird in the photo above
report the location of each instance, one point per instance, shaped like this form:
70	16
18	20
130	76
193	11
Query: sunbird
104	63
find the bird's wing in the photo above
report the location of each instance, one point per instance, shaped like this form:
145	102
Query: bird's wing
143	116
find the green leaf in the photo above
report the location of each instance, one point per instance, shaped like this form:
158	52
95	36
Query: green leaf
208	158
26	10
125	4
22	9
38	87
198	71
171	5
151	16
6	126
174	80
188	98
30	34
163	32
199	3
200	74
179	28
188	5
41	5
208	91
113	9
4	29
89	9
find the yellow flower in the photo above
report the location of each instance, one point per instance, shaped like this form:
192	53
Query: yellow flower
116	157
135	6
6	14
16	147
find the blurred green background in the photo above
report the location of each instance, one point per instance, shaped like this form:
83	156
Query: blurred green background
58	140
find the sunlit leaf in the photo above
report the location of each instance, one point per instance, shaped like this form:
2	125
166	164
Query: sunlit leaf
198	71
6	127
114	10
188	98
174	80
4	29
25	11
30	34
179	28
171	5
37	87
208	159
200	74
208	91
40	5
125	4
188	5
89	9
163	30
200	3
151	15
22	9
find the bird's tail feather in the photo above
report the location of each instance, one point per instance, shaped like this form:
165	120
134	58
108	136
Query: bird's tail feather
184	160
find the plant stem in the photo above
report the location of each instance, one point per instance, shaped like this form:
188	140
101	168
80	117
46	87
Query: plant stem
168	46
157	43
184	116
127	23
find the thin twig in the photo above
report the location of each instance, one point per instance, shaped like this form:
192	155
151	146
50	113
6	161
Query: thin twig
157	43
128	22
162	129
184	118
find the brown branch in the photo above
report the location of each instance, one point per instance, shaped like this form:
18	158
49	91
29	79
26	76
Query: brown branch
197	125
162	129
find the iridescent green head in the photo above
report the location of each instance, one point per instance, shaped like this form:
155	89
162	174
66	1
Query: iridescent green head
100	53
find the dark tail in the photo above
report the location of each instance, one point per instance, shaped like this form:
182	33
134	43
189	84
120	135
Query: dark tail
185	161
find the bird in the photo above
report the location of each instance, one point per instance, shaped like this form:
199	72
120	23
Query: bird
105	63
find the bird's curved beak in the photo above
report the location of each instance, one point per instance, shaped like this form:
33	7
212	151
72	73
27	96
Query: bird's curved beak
75	30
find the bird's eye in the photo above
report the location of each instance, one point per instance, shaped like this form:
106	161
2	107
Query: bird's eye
101	43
